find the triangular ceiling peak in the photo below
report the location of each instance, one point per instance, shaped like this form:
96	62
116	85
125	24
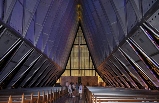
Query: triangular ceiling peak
80	61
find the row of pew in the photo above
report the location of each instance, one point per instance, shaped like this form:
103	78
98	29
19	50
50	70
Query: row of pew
32	95
121	95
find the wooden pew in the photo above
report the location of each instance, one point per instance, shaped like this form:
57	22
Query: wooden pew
22	95
31	95
17	99
97	95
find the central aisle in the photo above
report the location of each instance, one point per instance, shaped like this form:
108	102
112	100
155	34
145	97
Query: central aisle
76	99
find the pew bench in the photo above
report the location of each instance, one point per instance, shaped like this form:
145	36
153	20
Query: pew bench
32	95
17	98
106	95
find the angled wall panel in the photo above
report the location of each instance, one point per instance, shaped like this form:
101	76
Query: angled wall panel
121	6
118	74
155	57
33	72
131	16
147	4
24	48
7	39
26	65
126	47
152	20
16	21
43	76
150	74
39	72
136	74
121	69
142	40
33	56
130	68
119	55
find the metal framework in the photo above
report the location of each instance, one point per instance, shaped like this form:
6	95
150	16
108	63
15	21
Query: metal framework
36	37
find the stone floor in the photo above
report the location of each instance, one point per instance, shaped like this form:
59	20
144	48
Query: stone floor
75	99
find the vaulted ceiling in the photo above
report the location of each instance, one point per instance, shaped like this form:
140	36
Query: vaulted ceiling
36	37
